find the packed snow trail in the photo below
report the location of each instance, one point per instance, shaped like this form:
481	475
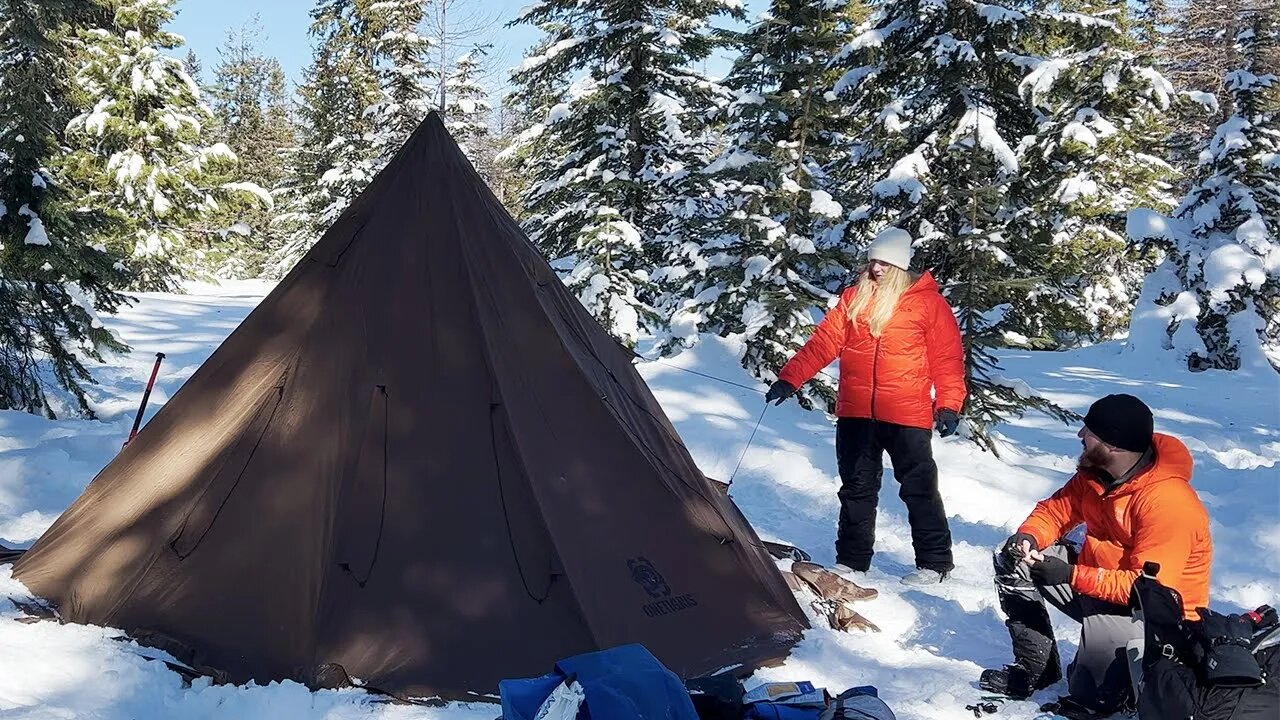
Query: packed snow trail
933	642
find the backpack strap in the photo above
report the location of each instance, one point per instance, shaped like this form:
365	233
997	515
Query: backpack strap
1267	639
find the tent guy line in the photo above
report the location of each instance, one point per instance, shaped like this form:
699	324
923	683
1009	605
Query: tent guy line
748	445
757	391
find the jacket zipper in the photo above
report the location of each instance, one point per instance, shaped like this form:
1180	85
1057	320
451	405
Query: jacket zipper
875	363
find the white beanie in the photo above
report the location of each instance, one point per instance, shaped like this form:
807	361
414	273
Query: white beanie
892	246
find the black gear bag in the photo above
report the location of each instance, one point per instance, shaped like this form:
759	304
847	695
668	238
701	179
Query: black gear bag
1223	667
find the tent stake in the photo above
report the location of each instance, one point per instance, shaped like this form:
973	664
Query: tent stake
146	395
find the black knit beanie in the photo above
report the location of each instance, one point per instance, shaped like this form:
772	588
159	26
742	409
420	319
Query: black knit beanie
1121	421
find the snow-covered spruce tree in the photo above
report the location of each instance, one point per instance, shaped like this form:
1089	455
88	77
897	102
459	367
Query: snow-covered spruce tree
1215	300
496	166
1096	154
336	154
402	67
191	63
54	273
933	90
631	131
765	247
531	151
467	111
250	103
140	152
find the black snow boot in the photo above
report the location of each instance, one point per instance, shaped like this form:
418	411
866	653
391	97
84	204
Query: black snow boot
1016	682
1072	710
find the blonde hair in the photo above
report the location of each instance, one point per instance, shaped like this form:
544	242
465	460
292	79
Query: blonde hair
881	296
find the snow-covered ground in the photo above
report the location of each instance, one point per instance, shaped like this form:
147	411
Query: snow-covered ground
934	641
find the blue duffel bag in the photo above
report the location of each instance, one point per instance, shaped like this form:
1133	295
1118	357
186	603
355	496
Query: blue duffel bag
622	683
859	703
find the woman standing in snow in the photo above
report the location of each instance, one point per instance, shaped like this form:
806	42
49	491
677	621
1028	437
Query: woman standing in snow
901	374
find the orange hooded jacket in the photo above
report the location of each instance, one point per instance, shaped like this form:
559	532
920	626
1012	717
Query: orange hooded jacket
1155	516
889	378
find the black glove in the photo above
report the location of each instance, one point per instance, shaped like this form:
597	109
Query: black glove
1013	546
1227	638
945	421
1226	629
779	391
1051	571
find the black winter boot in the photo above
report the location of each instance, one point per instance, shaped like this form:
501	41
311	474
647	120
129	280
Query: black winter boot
1072	710
1015	681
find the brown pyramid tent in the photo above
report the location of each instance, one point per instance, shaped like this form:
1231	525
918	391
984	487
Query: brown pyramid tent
421	462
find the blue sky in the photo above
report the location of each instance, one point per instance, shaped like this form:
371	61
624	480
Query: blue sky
204	24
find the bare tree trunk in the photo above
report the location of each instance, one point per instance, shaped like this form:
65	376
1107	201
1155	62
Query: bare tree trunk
456	24
444	54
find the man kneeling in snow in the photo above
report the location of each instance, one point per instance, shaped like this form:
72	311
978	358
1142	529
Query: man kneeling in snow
1133	494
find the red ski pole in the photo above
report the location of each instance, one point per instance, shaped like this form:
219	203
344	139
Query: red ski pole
137	421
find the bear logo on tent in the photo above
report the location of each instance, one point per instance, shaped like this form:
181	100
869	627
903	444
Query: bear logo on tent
648	577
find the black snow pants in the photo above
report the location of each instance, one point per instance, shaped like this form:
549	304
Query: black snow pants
860	445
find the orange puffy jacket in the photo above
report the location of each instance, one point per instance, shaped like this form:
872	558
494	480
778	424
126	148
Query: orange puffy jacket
1155	515
889	378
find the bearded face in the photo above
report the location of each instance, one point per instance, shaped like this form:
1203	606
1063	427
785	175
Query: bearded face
1093	457
1095	454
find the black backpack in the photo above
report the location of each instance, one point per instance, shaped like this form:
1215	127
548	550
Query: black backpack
1224	667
